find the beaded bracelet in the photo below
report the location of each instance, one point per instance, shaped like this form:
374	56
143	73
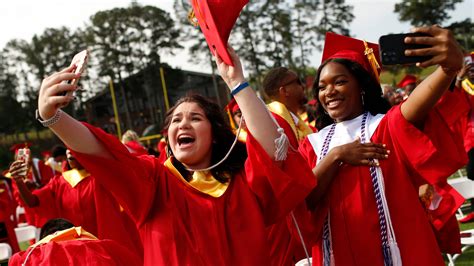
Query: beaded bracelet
239	87
51	121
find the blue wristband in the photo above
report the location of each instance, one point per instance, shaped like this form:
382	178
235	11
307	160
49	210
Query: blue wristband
239	87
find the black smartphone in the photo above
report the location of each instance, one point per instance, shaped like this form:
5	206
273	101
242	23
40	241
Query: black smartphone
393	46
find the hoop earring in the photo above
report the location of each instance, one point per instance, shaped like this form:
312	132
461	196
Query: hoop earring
362	98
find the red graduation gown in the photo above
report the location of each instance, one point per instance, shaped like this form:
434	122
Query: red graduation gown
417	157
89	205
77	253
180	225
7	211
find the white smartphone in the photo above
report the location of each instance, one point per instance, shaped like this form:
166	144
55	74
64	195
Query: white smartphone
24	155
80	61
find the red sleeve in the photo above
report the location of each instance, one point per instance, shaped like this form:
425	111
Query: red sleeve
278	188
453	105
47	208
131	179
311	221
433	153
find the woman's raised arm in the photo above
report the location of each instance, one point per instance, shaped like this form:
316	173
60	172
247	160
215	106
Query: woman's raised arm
257	118
447	54
73	133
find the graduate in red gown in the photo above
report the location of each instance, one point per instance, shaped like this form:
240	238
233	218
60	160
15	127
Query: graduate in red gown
63	244
77	196
185	213
365	209
286	92
8	214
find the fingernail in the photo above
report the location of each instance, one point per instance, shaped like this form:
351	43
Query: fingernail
388	151
383	145
407	52
386	156
413	29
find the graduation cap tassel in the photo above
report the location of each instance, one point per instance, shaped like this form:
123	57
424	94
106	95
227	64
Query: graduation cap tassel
369	52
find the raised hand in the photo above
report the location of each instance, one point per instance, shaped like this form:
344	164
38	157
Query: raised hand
16	168
52	92
232	75
444	49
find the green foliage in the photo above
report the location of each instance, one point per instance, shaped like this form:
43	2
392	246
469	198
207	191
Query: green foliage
463	32
425	12
126	40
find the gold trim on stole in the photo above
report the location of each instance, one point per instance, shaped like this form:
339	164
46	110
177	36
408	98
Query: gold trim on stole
202	181
301	130
74	176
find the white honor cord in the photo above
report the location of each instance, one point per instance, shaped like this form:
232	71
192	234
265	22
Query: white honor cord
301	238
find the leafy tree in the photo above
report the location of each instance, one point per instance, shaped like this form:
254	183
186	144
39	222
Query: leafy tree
463	32
127	40
425	12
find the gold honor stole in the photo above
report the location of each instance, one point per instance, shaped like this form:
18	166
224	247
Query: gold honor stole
74	176
468	86
202	181
301	130
74	233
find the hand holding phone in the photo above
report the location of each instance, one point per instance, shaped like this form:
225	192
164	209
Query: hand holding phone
79	61
24	156
393	46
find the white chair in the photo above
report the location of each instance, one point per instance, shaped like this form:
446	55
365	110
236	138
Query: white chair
5	251
19	211
304	262
465	187
467	241
26	233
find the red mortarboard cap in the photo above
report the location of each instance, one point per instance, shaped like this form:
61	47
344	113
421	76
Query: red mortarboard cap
408	79
232	106
469	59
216	19
312	102
15	147
230	109
339	46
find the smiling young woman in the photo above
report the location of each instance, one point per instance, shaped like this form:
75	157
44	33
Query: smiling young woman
370	161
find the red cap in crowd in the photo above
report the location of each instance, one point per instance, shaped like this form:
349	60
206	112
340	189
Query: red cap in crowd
407	80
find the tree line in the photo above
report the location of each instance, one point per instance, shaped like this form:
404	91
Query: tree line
126	40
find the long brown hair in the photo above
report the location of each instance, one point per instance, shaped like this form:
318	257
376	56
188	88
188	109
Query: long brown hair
222	139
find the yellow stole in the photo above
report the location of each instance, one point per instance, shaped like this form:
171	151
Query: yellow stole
301	130
202	181
468	86
74	176
73	233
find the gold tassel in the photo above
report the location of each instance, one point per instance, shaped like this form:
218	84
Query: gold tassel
369	52
192	18
231	120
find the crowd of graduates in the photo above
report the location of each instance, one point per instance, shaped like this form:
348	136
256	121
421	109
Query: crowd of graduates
356	176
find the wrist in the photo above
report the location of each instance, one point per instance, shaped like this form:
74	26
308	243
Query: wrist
235	82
